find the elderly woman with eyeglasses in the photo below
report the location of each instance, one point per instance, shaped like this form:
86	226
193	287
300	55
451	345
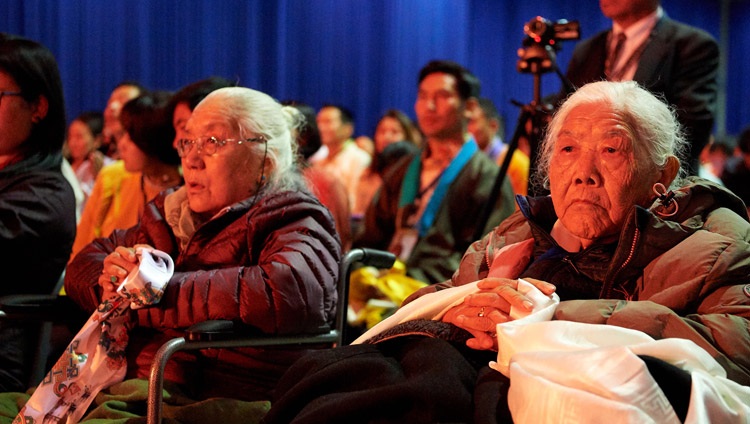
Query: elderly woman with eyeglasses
249	243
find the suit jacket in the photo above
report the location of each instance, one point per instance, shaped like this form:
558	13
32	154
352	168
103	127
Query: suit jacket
679	62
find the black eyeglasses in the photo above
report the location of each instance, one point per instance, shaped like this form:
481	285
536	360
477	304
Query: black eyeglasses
8	93
210	145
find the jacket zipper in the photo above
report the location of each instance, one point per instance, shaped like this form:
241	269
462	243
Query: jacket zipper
611	288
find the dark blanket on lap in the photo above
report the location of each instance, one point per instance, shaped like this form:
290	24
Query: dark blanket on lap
417	372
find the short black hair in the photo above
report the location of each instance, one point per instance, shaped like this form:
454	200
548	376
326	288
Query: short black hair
743	141
467	83
347	117
193	93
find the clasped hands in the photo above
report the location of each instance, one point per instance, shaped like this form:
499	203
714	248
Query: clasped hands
117	266
480	312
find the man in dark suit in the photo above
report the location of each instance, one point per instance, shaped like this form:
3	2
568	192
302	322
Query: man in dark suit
667	57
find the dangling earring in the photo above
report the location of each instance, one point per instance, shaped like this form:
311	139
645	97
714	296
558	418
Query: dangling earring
667	200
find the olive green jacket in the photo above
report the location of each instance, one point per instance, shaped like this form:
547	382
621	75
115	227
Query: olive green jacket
684	276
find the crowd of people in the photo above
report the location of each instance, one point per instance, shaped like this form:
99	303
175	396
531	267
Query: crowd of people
257	200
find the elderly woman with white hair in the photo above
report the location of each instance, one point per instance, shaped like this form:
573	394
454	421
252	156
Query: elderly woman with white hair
626	245
249	244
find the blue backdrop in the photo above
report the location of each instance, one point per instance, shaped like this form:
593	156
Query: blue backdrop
362	54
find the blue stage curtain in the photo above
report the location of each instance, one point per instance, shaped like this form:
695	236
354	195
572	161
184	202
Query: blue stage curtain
362	54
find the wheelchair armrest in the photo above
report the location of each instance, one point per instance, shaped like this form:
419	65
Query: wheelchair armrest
39	308
222	330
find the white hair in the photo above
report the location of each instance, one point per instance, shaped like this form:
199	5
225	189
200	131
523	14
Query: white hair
252	113
650	122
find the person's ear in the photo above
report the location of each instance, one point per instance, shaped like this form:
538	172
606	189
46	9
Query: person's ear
41	107
670	170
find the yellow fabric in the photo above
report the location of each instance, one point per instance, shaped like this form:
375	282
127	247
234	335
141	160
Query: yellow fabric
374	294
518	171
116	201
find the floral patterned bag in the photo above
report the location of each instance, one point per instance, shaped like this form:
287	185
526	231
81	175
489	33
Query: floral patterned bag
96	359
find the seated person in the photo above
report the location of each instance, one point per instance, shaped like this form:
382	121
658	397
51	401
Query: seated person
737	169
673	265
37	204
148	164
249	244
430	202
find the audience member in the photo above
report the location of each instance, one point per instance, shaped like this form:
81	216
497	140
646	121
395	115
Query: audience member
365	143
393	126
183	102
148	165
339	154
667	57
486	125
714	157
112	131
429	204
84	138
736	174
37	204
249	242
609	251
328	189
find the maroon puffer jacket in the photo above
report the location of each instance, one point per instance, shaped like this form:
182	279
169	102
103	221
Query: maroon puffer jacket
272	264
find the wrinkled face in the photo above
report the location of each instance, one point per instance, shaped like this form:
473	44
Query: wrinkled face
80	140
134	159
439	108
332	131
15	118
180	117
596	175
118	98
230	175
388	131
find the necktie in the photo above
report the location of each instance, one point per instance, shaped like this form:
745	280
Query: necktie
614	55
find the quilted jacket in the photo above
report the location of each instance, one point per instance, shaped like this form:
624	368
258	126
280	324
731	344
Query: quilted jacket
271	263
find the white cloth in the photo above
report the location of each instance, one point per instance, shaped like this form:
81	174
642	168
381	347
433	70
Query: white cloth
95	359
563	371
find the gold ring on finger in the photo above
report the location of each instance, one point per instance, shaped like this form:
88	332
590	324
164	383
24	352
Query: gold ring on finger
481	312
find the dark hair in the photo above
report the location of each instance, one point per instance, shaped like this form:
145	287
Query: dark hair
411	132
94	120
308	137
468	85
193	93
490	112
392	153
347	117
33	67
743	141
149	125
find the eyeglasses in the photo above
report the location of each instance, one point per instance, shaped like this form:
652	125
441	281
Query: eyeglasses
210	145
8	93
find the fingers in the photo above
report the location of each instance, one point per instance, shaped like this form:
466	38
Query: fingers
116	266
543	286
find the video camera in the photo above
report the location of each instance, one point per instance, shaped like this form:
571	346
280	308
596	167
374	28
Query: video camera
544	31
542	37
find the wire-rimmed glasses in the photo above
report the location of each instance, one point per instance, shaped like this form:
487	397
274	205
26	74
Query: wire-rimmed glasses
209	145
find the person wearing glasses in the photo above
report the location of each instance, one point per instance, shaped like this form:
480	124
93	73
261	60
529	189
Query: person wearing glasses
249	242
37	204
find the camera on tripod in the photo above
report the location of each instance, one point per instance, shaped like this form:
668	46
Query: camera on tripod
542	40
